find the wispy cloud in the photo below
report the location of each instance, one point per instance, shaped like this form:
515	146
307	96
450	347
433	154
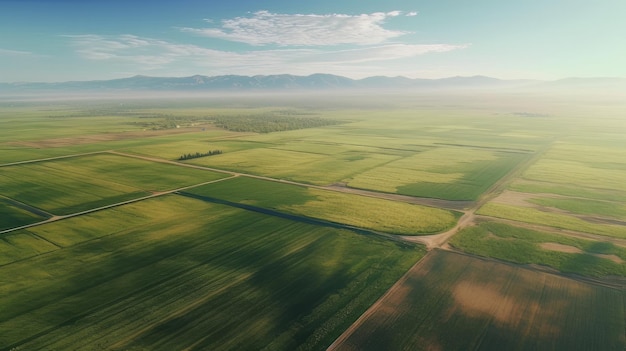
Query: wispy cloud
263	28
350	45
7	52
154	53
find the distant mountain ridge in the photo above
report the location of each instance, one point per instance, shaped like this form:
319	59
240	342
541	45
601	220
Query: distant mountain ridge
294	82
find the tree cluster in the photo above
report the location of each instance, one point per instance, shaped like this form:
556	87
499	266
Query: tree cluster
266	123
199	154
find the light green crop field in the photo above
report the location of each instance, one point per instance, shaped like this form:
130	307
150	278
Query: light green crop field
456	302
188	274
355	210
519	245
80	183
580	206
557	220
451	173
305	167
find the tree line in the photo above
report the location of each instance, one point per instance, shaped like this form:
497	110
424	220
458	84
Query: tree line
266	123
199	154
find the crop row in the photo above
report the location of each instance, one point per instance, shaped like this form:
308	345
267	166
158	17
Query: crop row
203	276
456	302
80	183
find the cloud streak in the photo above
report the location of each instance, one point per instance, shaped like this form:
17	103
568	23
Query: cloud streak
355	46
153	54
265	28
7	52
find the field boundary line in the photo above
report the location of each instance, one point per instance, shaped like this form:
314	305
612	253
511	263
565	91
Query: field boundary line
52	158
299	218
556	230
374	307
32	209
58	218
618	283
422	201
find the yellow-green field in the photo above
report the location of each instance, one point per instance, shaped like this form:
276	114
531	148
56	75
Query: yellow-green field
354	210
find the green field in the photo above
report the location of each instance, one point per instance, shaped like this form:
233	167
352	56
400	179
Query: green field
456	302
189	274
20	245
288	254
12	216
307	167
584	206
550	219
360	211
80	183
451	173
519	245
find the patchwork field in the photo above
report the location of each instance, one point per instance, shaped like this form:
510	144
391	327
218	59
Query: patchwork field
354	210
187	274
75	184
12	215
451	173
520	245
240	261
551	219
455	302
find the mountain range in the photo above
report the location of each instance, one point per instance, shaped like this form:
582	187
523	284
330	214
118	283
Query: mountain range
294	82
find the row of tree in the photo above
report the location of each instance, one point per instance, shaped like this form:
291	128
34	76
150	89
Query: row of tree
266	123
199	154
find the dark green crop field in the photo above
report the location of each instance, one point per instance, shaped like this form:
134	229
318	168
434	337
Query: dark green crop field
187	274
77	184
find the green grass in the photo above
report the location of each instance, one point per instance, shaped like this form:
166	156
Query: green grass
360	211
521	245
191	274
457	302
557	220
80	183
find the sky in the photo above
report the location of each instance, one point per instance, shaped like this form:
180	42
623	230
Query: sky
65	40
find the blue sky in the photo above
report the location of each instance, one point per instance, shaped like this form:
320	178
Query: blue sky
61	40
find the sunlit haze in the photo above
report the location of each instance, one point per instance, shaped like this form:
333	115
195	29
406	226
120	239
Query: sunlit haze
47	41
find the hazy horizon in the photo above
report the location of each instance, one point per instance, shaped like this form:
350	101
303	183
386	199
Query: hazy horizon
63	40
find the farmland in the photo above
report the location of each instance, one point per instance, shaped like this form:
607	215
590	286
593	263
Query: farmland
182	267
486	305
354	210
520	245
284	238
80	183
